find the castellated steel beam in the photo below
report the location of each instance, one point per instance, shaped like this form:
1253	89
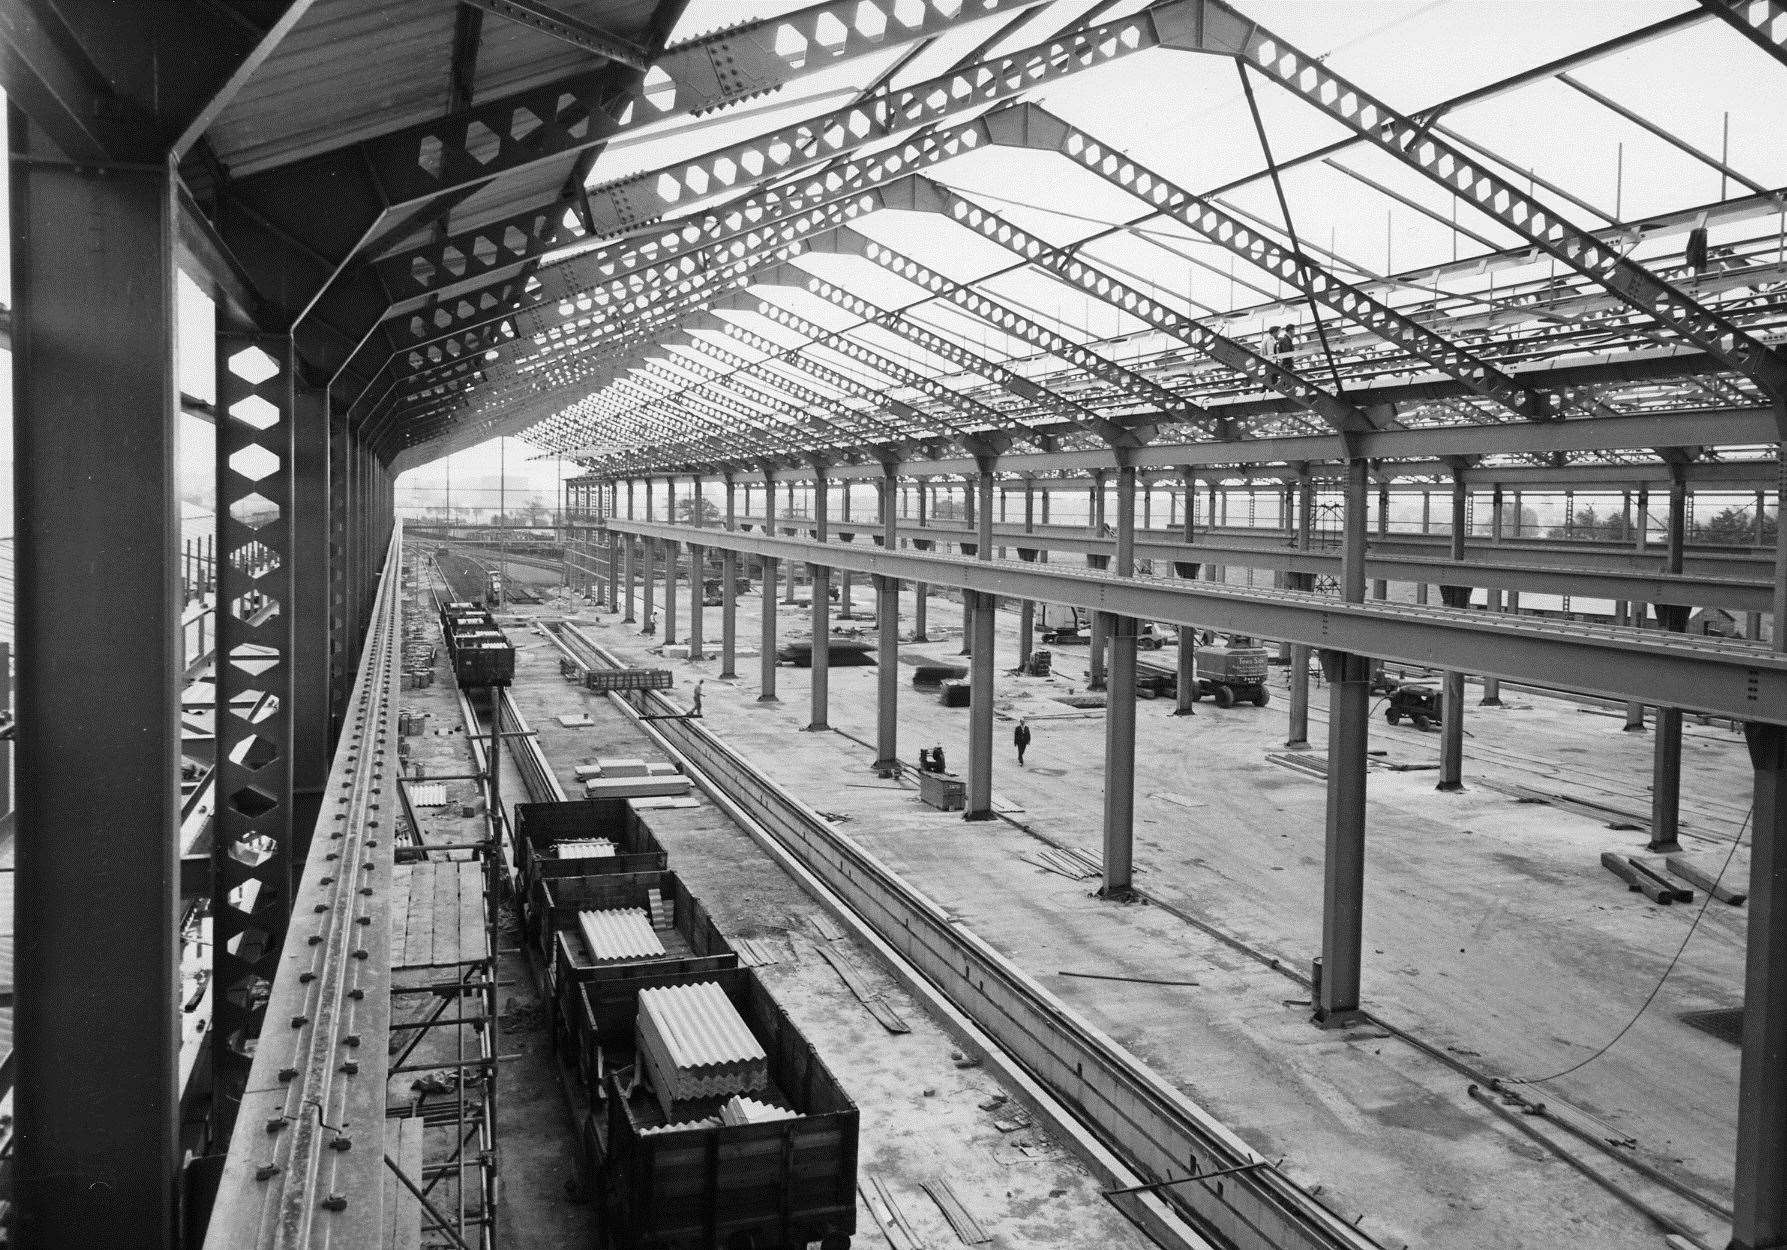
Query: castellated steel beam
1033	127
1715	676
921	194
1221	29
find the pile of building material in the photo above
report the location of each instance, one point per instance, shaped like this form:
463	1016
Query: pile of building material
742	1110
695	1045
624	933
635	787
712	1121
584	848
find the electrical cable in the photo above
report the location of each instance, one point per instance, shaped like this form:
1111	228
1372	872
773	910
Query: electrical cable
1658	987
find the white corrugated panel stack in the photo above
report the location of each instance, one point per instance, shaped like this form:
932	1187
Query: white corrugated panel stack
625	933
695	1044
585	848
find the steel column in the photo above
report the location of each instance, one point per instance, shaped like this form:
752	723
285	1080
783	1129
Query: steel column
1760	1190
1119	751
821	703
672	557
630	565
310	612
648	585
1298	737
921	593
1027	607
251	858
341	669
1666	759
1452	682
887	680
696	602
967	599
980	712
614	563
1349	735
96	889
729	588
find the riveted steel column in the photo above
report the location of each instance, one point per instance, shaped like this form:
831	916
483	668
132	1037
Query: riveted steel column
1760	1192
1452	683
1380	589
1666	758
921	593
251	859
96	969
614	565
887	631
1027	607
821	685
729	589
1492	686
310	612
672	557
1185	680
1298	737
1119	723
844	610
1349	733
1119	760
980	714
648	584
792	566
696	595
1095	664
969	514
341	674
1778	617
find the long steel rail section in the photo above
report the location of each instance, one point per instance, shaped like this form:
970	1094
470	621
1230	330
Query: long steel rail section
1157	1131
306	1164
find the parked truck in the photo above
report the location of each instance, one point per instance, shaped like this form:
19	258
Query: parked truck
1232	673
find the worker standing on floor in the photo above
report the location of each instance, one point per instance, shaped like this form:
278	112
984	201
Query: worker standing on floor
1020	738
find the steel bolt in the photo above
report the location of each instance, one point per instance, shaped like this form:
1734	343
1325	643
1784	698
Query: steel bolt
288	1074
275	1124
299	1022
335	1202
266	1172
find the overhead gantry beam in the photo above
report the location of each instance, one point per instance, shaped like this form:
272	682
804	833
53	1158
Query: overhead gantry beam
1710	675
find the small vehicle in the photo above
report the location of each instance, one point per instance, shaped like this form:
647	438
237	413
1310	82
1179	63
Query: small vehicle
711	596
1067	636
1152	637
493	590
1421	704
1232	674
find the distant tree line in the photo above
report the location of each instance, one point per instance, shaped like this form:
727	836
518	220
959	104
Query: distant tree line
1730	526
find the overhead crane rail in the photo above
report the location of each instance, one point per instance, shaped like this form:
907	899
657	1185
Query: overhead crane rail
1698	673
1159	1133
306	1164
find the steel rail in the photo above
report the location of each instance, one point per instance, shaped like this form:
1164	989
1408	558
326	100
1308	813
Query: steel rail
1149	1123
306	1161
1696	673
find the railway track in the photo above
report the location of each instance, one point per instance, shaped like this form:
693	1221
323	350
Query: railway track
466	576
1195	1172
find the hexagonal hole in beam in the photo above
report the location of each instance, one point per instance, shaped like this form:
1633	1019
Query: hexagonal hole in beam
255	412
254	462
253	802
253	365
255	511
254	752
254	607
252	658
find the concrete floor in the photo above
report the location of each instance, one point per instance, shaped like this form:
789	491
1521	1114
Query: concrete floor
1492	932
924	1115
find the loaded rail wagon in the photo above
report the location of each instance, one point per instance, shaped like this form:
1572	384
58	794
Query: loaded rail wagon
565	840
579	942
481	653
700	1175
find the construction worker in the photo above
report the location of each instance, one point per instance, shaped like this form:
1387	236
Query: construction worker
1020	738
937	759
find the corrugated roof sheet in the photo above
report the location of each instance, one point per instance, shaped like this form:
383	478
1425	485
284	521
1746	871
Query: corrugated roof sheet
585	848
699	1027
620	934
434	795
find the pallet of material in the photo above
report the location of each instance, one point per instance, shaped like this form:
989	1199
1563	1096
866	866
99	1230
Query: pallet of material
689	940
609	680
636	787
933	675
540	827
955	693
769	1182
696	1047
621	768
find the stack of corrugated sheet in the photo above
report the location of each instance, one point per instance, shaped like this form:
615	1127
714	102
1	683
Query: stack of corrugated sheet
585	848
695	1044
622	934
742	1110
712	1121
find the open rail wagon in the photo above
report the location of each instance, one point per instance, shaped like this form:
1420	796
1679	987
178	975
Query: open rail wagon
783	1183
481	653
541	827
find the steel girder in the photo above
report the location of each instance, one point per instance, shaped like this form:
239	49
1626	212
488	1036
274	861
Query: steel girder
1714	676
633	203
1220	29
932	197
91	75
1070	411
1033	127
1762	22
252	856
272	223
1129	385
